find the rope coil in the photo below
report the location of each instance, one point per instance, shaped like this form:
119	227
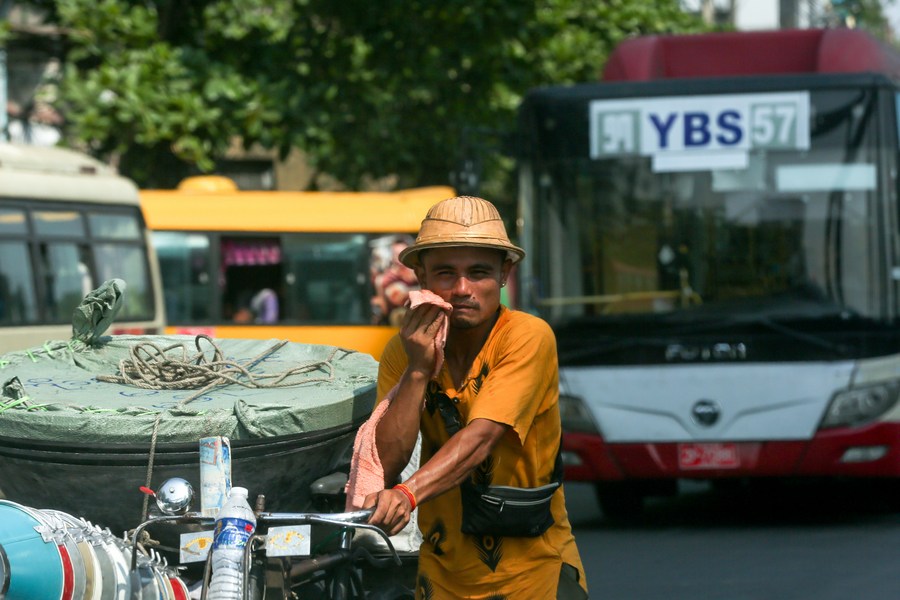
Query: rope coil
151	367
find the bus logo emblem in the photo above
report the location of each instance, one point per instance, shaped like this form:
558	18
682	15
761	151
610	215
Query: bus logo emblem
705	412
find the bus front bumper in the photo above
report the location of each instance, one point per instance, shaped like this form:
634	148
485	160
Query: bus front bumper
868	451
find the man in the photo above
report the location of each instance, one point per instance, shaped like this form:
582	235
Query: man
490	417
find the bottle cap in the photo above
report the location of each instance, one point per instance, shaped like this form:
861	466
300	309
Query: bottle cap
240	491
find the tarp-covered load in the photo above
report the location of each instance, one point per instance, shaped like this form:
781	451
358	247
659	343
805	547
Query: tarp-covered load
85	422
182	388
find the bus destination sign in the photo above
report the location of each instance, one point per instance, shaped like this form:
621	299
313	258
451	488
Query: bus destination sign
692	133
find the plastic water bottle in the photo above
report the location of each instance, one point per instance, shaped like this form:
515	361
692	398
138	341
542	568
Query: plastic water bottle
235	523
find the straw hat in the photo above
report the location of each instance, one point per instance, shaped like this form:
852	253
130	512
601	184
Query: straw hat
461	221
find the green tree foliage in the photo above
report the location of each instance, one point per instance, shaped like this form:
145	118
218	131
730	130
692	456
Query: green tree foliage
363	88
864	14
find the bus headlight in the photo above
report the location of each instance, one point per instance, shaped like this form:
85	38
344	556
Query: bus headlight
855	406
575	415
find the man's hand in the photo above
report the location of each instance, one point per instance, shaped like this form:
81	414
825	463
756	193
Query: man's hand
396	433
392	510
418	330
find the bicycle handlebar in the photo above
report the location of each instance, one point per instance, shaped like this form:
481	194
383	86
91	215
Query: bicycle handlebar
356	519
344	518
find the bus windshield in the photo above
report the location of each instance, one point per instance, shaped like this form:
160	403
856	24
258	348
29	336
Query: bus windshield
790	232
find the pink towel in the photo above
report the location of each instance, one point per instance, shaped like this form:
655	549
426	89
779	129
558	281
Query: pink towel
366	471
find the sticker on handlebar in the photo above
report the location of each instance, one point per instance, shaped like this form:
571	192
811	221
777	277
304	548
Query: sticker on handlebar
194	547
289	540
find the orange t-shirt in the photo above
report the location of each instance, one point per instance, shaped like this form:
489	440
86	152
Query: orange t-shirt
514	380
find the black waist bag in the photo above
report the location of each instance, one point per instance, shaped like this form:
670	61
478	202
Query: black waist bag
506	511
500	510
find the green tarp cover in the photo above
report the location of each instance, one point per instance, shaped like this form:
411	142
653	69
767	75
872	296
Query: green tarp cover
53	392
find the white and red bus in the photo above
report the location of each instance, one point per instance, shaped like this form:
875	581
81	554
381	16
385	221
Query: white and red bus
713	232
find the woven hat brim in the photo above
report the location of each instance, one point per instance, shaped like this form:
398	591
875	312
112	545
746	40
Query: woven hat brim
410	255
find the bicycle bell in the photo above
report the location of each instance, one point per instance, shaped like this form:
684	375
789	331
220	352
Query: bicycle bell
174	496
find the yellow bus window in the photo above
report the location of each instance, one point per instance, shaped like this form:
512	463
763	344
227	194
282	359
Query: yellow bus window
327	275
184	263
252	279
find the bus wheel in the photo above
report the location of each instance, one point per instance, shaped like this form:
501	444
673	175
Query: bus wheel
620	501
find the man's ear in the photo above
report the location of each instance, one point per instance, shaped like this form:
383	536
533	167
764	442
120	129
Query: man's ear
420	273
505	270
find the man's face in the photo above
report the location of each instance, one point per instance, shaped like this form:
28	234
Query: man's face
468	278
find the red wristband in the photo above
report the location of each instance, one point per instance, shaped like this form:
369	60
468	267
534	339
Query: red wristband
409	495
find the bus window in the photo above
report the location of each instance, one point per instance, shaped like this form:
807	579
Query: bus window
17	301
301	266
66	278
117	227
127	263
249	265
119	252
327	275
12	222
67	224
184	259
17	298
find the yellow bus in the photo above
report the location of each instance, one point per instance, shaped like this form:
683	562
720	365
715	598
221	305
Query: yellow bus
311	267
67	224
